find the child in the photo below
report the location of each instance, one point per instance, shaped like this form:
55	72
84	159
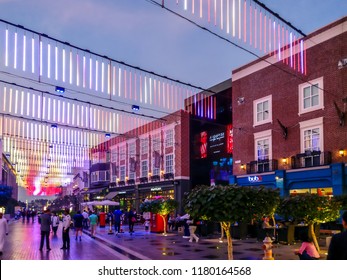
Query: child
147	224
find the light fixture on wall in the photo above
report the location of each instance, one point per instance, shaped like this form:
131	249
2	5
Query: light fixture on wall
243	167
240	100
59	89
284	160
341	152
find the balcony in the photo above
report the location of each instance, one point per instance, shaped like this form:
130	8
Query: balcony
131	182
155	178
260	166
310	159
168	176
143	180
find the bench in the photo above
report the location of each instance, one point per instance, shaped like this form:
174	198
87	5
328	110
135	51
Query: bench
328	233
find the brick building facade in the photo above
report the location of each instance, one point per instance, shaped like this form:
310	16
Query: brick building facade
289	128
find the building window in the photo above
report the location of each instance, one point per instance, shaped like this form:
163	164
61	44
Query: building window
144	168
169	138
156	142
122	152
311	96
122	173
114	156
311	135
262	110
263	145
169	164
94	177
144	146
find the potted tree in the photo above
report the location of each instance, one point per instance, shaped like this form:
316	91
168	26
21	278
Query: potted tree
311	209
230	204
161	206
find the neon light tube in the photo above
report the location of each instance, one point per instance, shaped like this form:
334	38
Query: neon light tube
24	52
64	65
48	61
32	55
56	63
15	50
40	58
6	48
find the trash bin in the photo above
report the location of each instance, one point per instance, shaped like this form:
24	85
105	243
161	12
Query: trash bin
102	219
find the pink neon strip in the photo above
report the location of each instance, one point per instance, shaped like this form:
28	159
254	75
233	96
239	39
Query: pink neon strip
260	29
130	81
255	27
200	8
269	40
274	38
125	83
250	23
140	85
294	59
283	56
279	41
287	48
135	93
215	12
305	62
193	6
265	38
244	21
209	11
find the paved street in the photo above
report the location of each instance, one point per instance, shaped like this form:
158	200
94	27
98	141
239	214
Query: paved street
22	243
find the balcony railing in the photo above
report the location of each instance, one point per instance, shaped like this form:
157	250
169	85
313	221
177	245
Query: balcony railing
168	176
155	178
260	166
310	159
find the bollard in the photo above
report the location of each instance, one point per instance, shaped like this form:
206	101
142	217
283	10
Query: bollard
267	247
110	230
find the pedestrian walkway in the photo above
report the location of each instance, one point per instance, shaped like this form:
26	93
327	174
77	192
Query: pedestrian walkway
22	243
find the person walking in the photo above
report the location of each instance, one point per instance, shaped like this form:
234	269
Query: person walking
338	245
192	229
55	223
78	223
45	222
85	219
66	229
131	220
117	219
93	221
3	231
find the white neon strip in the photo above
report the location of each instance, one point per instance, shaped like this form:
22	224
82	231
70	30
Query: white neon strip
84	71
240	20
58	116
119	80
68	113
15	50
43	107
109	81
82	115
49	109
34	109
63	113
114	81
302	55
28	104
193	6
234	18
102	76
49	61
221	14
77	70
64	69
228	17
54	109
32	55
56	63
40	58
185	4
150	90
24	52
73	114
10	105
96	74
6	48
200	8
145	89
39	109
16	103
71	67
90	73
291	48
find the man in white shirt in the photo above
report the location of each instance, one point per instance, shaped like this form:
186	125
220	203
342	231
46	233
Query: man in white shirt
66	228
85	219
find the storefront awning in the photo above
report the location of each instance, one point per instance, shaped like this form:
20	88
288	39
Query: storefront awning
93	190
110	195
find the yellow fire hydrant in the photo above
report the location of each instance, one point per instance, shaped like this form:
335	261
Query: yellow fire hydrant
267	247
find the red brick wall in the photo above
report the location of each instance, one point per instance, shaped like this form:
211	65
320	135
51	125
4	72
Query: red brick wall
322	60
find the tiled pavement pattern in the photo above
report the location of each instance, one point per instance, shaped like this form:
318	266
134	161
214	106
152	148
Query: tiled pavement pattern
22	243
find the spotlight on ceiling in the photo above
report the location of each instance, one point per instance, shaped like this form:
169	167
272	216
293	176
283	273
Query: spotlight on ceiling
59	89
54	126
107	135
135	107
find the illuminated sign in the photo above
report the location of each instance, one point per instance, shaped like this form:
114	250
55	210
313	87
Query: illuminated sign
254	179
155	189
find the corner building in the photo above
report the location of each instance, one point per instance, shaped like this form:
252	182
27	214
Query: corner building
290	129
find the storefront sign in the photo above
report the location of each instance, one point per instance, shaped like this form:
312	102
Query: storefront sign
254	179
155	189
